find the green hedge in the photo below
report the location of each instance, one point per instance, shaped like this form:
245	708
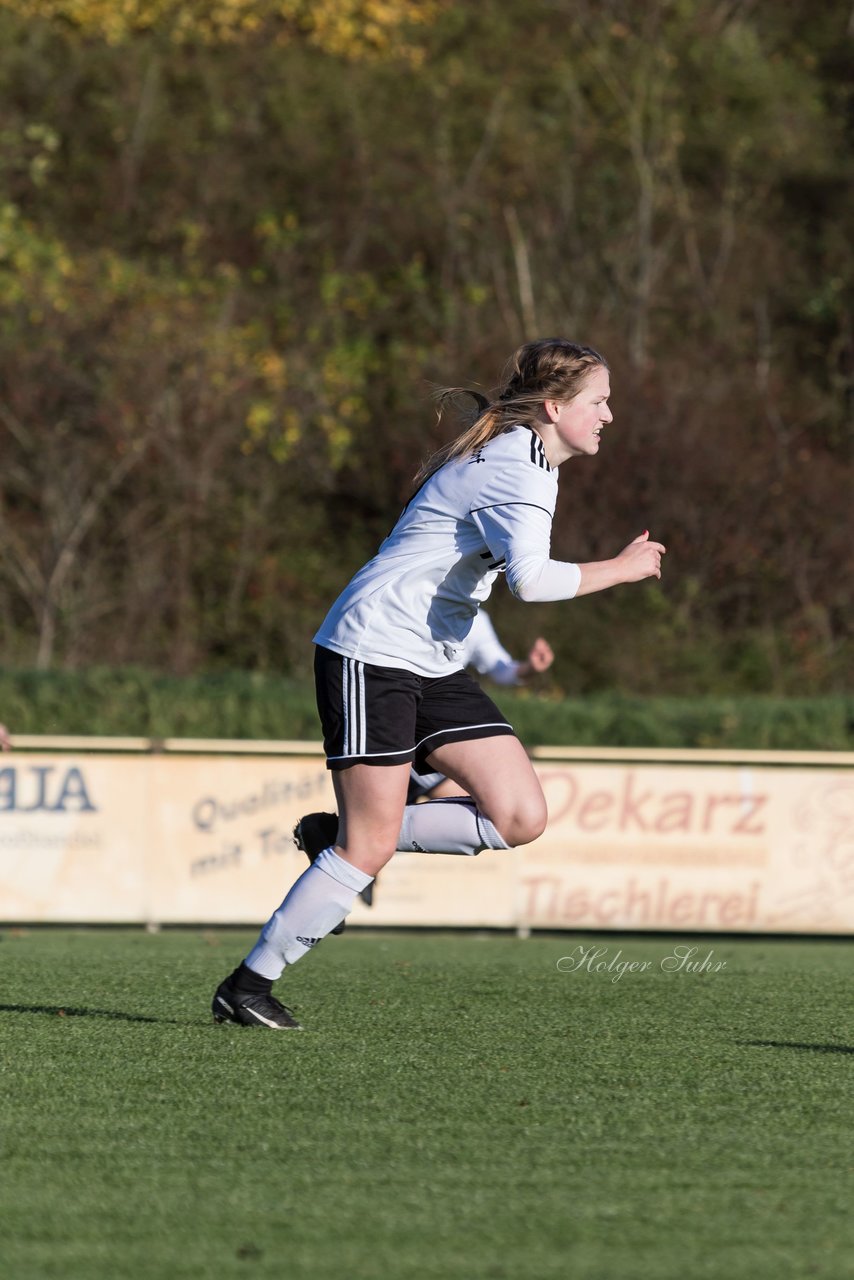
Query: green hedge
131	702
611	720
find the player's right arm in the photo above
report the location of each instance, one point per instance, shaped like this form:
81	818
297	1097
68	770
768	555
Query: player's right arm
513	510
517	528
640	559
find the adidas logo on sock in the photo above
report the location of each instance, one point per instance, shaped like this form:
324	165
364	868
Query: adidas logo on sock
307	942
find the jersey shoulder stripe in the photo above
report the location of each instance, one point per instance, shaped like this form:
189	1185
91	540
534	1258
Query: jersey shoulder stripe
538	453
519	444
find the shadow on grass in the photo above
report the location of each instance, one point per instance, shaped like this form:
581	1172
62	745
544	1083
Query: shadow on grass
62	1011
794	1044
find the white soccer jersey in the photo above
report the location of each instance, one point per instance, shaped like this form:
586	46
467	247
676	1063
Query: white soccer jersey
413	604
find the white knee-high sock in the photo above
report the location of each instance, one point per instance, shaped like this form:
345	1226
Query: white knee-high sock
315	904
452	825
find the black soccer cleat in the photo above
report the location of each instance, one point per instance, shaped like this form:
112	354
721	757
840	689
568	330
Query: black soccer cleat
314	833
251	1010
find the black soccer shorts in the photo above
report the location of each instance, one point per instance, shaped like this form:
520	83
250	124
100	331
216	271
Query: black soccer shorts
384	715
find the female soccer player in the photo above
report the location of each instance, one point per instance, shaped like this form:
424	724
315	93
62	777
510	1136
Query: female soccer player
391	689
483	651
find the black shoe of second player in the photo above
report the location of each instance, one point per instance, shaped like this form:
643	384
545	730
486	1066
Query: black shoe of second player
248	1010
316	832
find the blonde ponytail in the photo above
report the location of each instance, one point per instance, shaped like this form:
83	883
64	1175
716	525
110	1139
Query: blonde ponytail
550	369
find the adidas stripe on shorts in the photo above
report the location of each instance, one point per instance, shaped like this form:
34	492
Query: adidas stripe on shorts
385	715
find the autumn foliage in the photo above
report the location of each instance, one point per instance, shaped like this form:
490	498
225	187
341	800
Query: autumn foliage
241	241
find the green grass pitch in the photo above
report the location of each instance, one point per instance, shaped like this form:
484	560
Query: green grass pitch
456	1107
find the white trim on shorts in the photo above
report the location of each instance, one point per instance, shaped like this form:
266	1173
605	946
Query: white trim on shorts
367	755
355	711
487	724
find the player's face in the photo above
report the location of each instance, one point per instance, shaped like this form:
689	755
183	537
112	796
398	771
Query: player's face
580	421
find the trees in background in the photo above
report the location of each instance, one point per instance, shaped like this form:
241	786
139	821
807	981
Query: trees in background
239	244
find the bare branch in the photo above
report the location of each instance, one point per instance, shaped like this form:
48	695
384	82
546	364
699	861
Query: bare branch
523	270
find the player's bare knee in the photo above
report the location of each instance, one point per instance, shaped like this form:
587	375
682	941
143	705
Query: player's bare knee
521	822
530	824
370	859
